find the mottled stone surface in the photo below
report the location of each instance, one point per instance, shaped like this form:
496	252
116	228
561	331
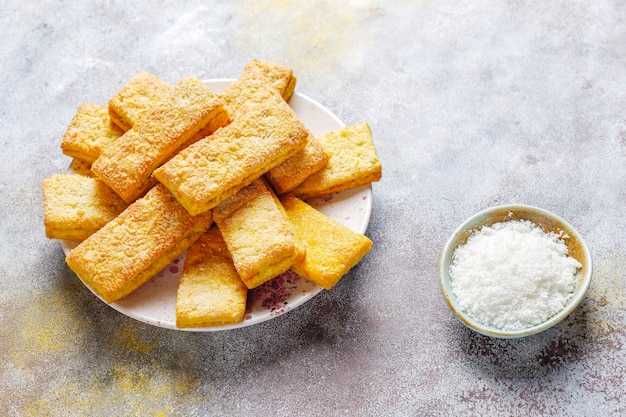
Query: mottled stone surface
471	103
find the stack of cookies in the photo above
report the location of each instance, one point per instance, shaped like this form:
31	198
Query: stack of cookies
225	177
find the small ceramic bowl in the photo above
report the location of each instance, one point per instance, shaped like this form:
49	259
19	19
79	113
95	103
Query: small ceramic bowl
549	223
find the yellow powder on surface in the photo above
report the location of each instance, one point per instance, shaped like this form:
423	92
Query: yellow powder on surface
44	325
48	333
118	387
128	338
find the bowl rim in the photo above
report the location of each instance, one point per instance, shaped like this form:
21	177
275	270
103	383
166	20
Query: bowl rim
476	221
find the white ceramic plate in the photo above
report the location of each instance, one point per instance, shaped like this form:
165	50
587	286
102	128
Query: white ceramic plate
155	302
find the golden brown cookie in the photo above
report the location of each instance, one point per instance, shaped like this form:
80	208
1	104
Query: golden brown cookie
214	168
331	248
127	164
140	94
353	162
210	291
90	131
257	232
137	244
76	206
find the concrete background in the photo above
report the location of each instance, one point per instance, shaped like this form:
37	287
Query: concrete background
471	103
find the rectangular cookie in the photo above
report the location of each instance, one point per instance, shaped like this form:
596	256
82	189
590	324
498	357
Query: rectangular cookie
76	206
210	291
90	131
214	168
277	75
353	162
331	248
300	166
295	170
81	168
127	164
137	244
257	232
138	96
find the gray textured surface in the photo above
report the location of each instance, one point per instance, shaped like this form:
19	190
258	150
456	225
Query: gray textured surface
472	104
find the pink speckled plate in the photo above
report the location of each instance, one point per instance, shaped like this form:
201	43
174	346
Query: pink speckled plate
155	302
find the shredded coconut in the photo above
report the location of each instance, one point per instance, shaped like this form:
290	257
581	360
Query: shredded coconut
512	275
